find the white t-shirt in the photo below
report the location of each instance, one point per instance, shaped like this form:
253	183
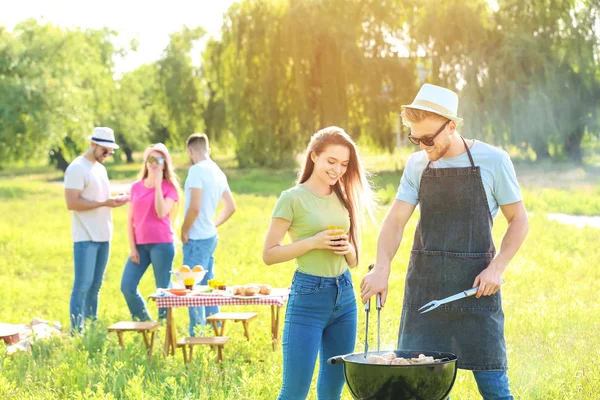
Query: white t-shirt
92	225
497	174
205	175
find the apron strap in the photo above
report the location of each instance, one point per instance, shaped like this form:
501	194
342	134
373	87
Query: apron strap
468	152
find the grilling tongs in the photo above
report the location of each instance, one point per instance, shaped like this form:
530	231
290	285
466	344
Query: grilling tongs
367	309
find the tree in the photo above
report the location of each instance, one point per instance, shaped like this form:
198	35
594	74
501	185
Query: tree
288	69
52	87
181	85
131	117
214	114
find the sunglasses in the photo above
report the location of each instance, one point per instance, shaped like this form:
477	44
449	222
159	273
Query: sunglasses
159	160
107	152
426	140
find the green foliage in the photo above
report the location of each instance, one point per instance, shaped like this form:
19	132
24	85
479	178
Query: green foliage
528	70
180	83
287	69
54	85
134	100
282	69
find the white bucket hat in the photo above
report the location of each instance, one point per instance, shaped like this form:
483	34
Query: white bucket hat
104	137
438	100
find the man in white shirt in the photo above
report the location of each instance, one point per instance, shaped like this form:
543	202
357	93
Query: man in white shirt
205	186
87	194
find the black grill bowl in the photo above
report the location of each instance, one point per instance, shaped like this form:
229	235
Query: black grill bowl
398	382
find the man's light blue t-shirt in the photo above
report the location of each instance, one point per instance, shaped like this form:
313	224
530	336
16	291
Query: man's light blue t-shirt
497	173
205	175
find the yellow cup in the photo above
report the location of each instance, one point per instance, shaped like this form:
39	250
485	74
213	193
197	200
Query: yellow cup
333	227
189	283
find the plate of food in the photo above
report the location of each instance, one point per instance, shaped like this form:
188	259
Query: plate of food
250	291
178	292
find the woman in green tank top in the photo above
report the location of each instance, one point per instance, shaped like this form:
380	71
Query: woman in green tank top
322	216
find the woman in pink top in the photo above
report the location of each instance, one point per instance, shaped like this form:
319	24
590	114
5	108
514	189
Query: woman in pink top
153	202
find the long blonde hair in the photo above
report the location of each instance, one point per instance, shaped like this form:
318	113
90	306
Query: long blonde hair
353	188
170	176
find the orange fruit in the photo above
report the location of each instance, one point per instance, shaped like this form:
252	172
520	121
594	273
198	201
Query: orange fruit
198	268
184	268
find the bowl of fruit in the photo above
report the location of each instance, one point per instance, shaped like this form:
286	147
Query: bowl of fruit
185	273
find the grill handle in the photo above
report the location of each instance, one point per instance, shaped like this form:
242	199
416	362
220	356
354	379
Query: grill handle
335	360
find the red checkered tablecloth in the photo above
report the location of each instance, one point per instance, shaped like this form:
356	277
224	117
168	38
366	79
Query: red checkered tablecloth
278	299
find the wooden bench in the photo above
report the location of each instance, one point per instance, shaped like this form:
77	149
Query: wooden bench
222	317
190	342
144	328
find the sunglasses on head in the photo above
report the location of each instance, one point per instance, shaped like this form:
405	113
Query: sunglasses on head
426	140
159	160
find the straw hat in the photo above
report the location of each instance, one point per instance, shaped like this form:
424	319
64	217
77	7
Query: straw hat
438	100
104	137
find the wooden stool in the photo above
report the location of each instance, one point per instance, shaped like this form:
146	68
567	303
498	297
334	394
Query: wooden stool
221	317
190	342
143	327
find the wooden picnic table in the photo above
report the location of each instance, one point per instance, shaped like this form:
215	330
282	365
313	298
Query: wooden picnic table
276	300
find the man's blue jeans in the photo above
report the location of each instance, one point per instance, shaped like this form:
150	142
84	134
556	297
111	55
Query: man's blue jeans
321	318
160	255
90	259
493	385
201	252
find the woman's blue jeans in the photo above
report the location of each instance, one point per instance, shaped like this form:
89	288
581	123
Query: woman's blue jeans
321	318
161	256
90	259
201	252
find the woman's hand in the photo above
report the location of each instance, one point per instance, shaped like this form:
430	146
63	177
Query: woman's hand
326	239
158	178
134	256
343	246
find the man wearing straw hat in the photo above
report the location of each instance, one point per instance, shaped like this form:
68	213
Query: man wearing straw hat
460	185
87	194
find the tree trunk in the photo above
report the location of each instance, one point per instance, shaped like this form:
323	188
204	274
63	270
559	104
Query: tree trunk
541	150
572	146
56	156
128	154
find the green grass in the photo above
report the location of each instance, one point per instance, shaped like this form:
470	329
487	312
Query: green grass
550	298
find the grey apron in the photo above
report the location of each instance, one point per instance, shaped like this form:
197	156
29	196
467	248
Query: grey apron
453	244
